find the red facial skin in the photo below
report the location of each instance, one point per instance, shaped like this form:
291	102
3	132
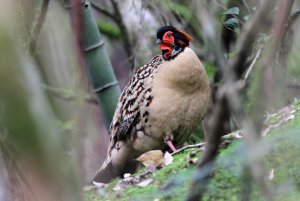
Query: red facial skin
166	43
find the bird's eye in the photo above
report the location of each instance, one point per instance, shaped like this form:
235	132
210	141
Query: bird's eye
169	34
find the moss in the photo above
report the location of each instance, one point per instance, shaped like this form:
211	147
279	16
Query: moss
280	150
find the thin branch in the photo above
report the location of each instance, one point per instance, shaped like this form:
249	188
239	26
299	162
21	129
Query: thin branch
287	73
34	35
253	63
102	10
248	38
199	145
230	136
247	7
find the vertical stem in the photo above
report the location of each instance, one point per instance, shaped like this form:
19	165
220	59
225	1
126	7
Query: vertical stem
99	66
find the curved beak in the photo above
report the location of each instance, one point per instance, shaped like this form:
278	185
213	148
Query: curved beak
158	41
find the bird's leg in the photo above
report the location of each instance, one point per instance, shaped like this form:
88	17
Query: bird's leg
170	144
168	140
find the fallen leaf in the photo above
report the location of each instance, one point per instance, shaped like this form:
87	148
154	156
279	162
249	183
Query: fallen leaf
99	184
152	158
145	182
120	186
89	188
168	158
127	175
128	180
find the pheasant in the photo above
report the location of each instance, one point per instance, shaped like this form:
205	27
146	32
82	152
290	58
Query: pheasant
159	107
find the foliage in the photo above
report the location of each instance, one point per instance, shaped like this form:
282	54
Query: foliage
109	29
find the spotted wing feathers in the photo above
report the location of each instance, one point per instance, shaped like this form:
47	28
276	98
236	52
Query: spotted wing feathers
128	108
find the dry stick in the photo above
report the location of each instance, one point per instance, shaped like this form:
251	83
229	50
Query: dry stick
38	26
247	7
201	144
222	108
297	83
190	146
251	67
102	10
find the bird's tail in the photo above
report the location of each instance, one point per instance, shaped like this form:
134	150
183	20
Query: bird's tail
107	172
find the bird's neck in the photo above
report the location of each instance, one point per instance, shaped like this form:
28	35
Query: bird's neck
175	51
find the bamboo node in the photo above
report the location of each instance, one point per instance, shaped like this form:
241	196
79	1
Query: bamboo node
94	46
106	86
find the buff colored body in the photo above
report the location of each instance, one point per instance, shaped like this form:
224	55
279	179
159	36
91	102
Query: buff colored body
179	95
159	107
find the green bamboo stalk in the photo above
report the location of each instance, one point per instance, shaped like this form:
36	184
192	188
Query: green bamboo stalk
99	66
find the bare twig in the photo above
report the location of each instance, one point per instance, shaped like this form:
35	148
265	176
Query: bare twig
253	63
199	145
247	7
102	10
34	35
297	83
248	38
230	136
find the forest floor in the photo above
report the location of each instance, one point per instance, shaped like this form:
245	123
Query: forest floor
279	148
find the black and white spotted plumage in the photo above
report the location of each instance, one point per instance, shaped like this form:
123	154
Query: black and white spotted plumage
128	113
135	94
163	102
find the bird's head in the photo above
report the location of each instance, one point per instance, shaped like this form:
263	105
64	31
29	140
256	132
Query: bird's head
172	41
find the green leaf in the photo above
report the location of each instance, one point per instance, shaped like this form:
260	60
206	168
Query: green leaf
231	23
231	11
109	29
